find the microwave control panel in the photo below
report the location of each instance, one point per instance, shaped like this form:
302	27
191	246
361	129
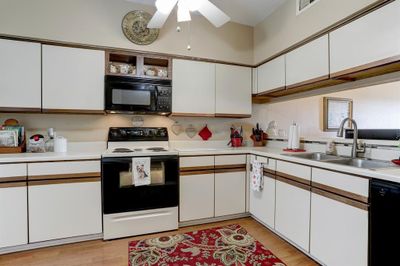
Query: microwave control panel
164	100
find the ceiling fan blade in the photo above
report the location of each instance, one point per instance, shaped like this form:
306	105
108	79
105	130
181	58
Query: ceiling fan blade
213	13
158	20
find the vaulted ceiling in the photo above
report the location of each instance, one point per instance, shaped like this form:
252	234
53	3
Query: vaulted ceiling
247	12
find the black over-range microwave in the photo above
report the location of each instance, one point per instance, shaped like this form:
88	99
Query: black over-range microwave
138	95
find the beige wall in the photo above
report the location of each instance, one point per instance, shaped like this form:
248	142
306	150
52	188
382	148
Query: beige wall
375	107
284	28
98	22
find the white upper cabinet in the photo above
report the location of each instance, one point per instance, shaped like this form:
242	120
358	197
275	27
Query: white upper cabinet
370	40
193	88
271	75
20	81
73	79
233	90
309	62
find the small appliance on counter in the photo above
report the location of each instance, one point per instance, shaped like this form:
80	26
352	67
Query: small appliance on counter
236	137
12	137
259	137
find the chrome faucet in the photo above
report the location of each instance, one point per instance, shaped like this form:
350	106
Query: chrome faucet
355	148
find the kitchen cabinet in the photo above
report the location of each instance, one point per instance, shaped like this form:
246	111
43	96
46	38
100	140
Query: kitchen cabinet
196	199
271	75
308	63
13	205
73	79
292	209
64	200
369	41
193	88
262	203
254	82
233	90
20	81
339	231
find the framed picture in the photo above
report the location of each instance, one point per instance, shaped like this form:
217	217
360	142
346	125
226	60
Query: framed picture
335	110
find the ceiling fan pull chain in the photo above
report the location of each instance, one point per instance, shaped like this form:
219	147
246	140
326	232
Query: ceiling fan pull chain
189	47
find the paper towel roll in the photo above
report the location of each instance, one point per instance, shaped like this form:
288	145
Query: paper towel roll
296	138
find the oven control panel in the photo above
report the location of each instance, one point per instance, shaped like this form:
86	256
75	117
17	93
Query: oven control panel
138	134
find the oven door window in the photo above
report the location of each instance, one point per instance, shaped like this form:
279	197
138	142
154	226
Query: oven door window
121	195
157	176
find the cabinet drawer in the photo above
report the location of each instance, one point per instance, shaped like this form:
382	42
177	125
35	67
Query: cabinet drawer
73	169
297	172
268	163
196	163
230	160
345	185
12	172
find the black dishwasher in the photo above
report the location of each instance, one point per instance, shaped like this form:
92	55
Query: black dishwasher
384	223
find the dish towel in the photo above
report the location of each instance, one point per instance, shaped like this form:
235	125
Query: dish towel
141	171
257	177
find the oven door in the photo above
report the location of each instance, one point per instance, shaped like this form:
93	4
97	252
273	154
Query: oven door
121	195
130	96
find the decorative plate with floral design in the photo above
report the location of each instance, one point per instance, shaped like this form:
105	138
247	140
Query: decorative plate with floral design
134	26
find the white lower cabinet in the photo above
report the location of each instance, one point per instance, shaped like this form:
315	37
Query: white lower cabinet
13	216
230	194
196	199
292	218
64	210
339	232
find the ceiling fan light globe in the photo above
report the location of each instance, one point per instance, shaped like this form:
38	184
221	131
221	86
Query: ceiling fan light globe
165	6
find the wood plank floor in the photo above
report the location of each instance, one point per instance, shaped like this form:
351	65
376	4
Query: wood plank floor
115	252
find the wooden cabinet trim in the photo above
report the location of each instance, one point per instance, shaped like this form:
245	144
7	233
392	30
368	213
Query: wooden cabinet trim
341	199
13	184
192	115
340	192
19	110
199	172
73	111
269	171
63	181
293	178
64	176
231	170
197	168
307	82
267	174
230	166
13	179
283	88
232	115
293	183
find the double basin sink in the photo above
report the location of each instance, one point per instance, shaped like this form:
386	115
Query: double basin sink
355	162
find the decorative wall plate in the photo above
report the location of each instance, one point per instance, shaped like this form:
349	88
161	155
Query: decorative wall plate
134	26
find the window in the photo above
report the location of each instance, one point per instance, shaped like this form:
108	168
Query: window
302	5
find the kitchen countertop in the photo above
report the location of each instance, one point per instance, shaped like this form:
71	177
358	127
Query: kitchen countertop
389	174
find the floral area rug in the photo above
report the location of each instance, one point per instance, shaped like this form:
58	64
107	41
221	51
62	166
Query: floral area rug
229	245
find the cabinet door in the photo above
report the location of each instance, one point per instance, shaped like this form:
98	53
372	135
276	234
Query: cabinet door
371	40
64	210
339	232
271	75
196	199
292	218
20	80
193	88
73	79
262	203
308	63
230	195
13	213
233	90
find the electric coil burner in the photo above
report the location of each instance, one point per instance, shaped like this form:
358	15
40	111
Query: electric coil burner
131	209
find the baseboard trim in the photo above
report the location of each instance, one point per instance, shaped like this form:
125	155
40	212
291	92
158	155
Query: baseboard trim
214	219
50	243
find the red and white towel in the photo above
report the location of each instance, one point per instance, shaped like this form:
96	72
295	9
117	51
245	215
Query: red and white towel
257	177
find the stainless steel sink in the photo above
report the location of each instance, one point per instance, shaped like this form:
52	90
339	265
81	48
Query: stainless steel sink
363	163
316	156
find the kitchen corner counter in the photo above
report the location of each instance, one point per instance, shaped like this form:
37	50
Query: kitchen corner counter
389	174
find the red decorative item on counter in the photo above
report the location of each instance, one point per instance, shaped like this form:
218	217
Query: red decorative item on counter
205	133
237	142
396	161
292	150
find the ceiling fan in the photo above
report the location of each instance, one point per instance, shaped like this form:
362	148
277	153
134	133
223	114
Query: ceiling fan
204	7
